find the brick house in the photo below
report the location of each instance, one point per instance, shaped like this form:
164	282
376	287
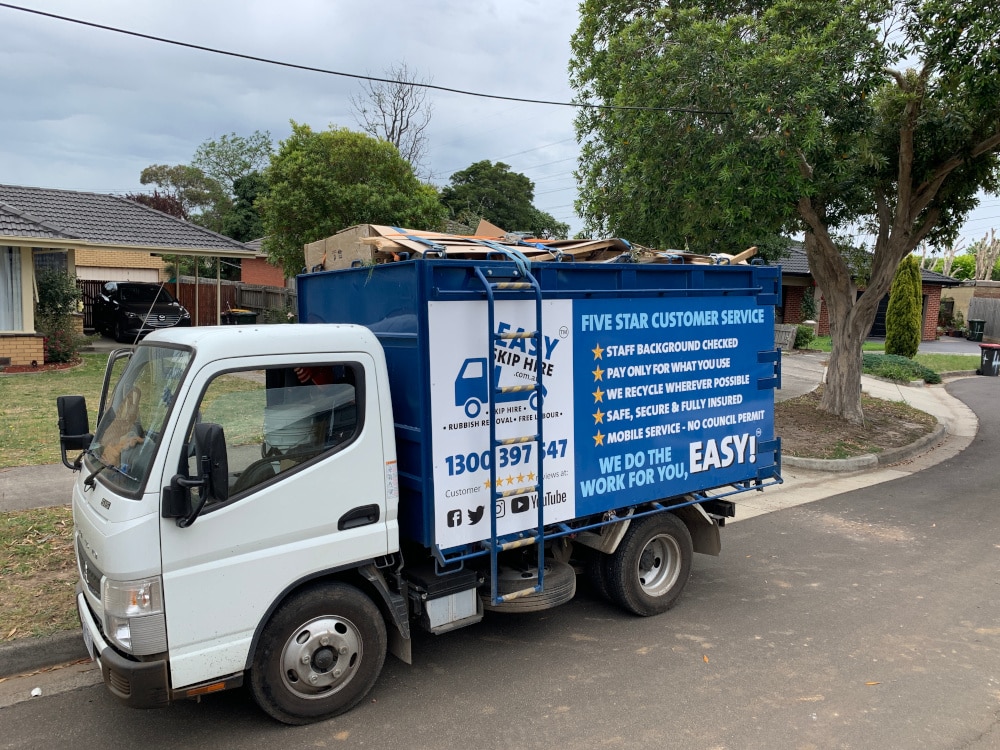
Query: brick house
797	279
260	271
91	235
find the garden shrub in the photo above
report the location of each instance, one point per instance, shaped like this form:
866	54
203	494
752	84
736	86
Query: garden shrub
894	367
804	336
902	317
58	296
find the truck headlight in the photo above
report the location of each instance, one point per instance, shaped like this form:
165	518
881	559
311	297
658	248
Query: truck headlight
133	615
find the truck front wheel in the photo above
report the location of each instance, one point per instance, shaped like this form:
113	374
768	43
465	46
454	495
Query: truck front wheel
648	571
319	655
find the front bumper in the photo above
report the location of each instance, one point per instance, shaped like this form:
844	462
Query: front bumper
137	684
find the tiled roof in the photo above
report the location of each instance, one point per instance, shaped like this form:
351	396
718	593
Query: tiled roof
797	264
100	219
14	223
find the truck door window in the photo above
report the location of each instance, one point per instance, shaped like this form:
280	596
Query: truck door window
278	419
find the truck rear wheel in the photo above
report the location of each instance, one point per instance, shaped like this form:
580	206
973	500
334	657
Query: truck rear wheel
319	655
596	568
648	571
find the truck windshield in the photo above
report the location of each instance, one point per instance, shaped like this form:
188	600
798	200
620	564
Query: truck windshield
130	430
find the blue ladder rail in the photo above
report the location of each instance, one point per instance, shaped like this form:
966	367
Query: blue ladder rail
527	284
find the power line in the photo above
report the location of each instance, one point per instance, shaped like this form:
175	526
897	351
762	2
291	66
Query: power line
519	153
356	76
557	161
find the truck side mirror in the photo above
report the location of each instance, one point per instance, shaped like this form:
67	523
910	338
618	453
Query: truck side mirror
209	444
74	427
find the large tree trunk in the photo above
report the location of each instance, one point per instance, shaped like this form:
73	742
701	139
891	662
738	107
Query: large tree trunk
850	320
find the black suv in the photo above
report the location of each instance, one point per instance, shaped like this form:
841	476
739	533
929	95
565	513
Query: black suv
128	310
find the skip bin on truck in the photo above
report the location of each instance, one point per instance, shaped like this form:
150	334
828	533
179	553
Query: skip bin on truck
439	440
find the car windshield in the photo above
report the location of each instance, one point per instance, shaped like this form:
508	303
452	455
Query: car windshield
143	294
130	430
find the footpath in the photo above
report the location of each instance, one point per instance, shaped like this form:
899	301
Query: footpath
805	480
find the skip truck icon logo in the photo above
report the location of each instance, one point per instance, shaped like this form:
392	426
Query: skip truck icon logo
521	353
472	388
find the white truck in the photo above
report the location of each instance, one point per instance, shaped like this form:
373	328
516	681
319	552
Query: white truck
438	439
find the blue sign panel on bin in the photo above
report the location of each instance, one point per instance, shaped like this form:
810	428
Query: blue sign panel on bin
671	390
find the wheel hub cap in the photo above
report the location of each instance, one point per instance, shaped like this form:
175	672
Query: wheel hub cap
321	657
659	565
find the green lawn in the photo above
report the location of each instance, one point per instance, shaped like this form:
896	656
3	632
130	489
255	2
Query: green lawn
939	363
29	426
825	344
37	573
942	363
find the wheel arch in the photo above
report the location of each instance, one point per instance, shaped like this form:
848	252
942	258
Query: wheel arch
351	575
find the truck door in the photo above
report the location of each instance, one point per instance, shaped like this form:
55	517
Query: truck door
307	494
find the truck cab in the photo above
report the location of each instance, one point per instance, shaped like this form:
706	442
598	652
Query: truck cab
176	560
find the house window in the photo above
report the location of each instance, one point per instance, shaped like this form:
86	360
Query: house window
50	262
10	289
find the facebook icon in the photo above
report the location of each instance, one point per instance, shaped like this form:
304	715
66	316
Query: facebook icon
454	518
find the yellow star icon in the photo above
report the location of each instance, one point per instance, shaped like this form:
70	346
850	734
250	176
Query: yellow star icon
598	373
510	480
598	351
486	484
598	394
598	439
531	476
520	478
598	416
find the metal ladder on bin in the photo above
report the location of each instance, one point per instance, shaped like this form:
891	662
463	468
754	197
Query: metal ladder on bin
525	285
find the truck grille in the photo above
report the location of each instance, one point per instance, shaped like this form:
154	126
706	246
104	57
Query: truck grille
162	321
89	572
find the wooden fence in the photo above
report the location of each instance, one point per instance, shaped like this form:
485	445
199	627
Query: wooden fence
267	301
200	299
986	309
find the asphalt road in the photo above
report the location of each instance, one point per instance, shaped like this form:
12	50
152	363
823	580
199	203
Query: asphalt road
869	619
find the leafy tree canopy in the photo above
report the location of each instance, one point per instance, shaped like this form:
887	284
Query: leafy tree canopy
162	202
323	182
203	199
767	117
243	222
233	156
964	267
492	191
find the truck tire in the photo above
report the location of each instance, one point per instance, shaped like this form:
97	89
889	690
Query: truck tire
319	654
648	571
560	587
596	569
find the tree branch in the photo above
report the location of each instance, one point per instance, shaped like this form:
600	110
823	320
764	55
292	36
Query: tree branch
926	191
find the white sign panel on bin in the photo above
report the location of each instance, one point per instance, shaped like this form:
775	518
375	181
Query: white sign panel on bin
460	382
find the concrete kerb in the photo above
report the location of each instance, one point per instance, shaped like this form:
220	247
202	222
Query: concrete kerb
868	460
27	655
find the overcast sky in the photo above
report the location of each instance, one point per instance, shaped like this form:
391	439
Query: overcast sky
88	109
